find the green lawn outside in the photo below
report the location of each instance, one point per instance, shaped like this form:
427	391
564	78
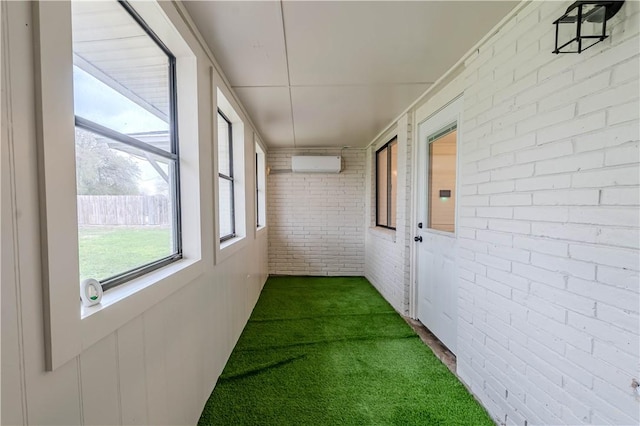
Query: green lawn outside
107	251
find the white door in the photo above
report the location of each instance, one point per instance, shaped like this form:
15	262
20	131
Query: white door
435	227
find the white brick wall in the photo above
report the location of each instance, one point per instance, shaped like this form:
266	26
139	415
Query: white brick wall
549	232
315	219
548	215
549	223
387	256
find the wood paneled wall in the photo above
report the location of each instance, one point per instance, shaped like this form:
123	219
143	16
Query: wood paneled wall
160	367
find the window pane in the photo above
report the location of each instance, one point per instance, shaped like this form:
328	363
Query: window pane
121	76
226	207
125	206
260	187
257	193
394	184
442	177
381	185
223	146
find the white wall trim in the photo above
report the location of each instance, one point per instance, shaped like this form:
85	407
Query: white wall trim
57	180
9	249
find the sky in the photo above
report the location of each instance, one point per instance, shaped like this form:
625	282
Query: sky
95	101
98	102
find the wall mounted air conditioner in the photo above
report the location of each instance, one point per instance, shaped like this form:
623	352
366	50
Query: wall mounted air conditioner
316	164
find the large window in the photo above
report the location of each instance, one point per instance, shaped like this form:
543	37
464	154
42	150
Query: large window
386	184
127	164
226	199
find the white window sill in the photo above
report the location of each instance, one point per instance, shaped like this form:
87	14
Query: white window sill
383	233
261	229
127	301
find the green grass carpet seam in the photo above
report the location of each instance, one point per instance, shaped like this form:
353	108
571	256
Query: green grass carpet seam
332	351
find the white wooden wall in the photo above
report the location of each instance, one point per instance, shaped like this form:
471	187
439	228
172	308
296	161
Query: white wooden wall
160	367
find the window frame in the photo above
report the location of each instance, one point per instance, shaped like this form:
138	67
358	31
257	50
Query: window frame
257	201
435	136
69	328
387	146
261	185
229	178
174	156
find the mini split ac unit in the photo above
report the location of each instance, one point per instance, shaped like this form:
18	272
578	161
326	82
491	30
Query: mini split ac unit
316	164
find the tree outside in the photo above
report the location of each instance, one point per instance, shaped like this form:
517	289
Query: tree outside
123	204
100	170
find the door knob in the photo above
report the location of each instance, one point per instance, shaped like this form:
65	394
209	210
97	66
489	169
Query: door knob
420	225
417	239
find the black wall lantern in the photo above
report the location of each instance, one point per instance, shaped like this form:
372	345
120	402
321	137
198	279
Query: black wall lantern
583	25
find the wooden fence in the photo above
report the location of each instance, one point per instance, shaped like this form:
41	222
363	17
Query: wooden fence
123	210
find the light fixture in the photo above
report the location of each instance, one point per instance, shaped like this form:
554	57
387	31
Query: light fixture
583	25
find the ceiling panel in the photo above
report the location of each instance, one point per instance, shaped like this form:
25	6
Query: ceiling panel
270	110
348	67
347	115
382	42
246	39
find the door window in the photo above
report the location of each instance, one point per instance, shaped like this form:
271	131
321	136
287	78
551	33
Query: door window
442	179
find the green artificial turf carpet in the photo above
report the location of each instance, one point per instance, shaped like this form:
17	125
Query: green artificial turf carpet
332	351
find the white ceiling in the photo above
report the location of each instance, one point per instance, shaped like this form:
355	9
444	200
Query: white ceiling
315	74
